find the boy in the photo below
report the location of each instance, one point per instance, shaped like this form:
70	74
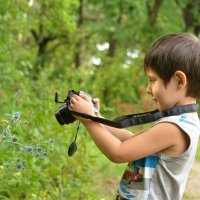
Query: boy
160	158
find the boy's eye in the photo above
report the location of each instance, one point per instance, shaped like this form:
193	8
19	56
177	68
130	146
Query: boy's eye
151	80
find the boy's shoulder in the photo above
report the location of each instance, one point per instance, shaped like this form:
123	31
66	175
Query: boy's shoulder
186	121
181	118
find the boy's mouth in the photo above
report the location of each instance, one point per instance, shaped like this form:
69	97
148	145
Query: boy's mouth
155	100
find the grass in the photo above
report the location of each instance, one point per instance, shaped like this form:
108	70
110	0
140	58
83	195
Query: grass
198	153
105	174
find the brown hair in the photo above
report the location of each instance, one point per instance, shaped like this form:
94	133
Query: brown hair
176	52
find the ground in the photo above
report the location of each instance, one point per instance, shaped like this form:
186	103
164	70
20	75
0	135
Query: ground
192	191
107	189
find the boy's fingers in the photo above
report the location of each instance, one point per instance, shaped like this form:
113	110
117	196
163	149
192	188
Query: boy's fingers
73	100
96	102
76	97
84	96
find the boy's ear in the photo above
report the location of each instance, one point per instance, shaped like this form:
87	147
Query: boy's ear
181	79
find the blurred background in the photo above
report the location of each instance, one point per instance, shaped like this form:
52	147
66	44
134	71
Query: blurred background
96	46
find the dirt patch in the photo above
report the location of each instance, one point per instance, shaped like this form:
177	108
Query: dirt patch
192	191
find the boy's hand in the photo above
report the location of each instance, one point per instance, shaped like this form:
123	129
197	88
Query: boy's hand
81	103
96	103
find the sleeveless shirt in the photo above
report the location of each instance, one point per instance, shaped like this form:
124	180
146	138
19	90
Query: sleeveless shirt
159	176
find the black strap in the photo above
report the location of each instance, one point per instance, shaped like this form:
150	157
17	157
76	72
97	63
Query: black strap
140	118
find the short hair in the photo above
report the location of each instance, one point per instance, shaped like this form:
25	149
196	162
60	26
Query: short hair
176	52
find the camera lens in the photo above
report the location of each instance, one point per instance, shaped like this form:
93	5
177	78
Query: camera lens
59	118
64	116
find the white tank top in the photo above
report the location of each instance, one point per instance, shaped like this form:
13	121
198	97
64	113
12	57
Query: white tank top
158	176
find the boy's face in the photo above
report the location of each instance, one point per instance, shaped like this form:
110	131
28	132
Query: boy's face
164	96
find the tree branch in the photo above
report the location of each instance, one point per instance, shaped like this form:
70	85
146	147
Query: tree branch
154	10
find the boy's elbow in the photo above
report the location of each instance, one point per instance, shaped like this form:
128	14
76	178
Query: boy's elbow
116	154
116	158
117	161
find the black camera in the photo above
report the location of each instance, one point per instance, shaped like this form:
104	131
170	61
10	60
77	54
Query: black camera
63	114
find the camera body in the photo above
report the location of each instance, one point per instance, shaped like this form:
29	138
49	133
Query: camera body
63	114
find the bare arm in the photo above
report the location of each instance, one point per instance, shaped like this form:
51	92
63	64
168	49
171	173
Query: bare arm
165	137
121	134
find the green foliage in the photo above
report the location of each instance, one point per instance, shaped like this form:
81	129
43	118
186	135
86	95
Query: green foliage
115	75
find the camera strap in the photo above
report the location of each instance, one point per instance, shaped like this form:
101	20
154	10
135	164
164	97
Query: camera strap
140	118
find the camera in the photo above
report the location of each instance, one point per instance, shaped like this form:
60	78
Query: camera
63	114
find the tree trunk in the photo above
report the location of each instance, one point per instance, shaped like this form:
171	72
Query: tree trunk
112	41
189	18
77	55
153	10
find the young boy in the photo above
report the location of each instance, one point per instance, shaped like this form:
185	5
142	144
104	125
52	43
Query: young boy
160	158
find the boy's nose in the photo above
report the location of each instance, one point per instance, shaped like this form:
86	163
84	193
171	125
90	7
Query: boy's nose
148	89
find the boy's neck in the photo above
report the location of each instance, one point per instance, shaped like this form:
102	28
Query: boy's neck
186	100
